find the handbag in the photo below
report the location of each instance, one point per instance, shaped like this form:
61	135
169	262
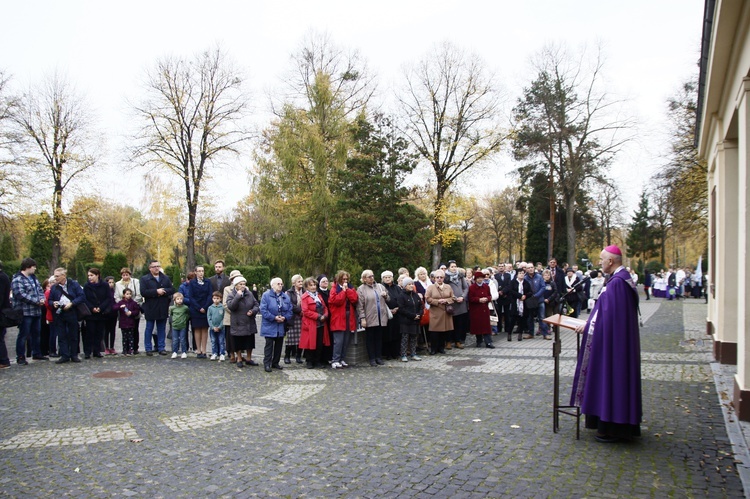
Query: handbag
448	307
425	319
83	310
11	317
531	302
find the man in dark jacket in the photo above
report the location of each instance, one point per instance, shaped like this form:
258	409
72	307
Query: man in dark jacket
504	279
157	291
4	305
64	297
558	274
219	281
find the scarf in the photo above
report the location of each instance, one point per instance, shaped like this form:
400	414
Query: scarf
519	302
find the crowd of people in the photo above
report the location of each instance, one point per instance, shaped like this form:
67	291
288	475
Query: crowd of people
313	319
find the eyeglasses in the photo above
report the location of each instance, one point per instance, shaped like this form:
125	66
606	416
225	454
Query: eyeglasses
438	277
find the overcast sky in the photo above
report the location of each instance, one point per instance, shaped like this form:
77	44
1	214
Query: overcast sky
651	48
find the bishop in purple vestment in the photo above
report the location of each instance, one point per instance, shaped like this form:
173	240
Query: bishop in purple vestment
607	383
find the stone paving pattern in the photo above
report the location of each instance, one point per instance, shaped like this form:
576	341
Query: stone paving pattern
435	428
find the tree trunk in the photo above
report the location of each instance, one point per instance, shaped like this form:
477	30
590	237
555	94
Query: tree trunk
438	223
190	240
570	206
437	254
57	221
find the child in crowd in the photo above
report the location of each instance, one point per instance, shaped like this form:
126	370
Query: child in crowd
215	316
129	311
180	315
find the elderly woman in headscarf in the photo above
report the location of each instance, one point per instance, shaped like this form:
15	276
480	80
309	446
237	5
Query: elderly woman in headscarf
323	292
372	310
314	334
479	309
439	296
244	308
409	314
295	328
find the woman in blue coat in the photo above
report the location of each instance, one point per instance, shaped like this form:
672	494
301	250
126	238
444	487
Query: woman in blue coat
276	311
199	290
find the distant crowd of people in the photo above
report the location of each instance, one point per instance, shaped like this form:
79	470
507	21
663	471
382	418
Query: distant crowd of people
313	319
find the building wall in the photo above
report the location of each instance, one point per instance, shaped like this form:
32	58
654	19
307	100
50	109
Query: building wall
724	143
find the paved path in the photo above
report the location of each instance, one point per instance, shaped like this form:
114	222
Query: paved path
472	423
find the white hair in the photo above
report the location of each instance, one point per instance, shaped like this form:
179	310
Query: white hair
275	280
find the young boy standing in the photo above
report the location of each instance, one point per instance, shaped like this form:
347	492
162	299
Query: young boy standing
216	327
180	314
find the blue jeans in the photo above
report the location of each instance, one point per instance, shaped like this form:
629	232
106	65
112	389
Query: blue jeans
161	334
179	337
218	346
541	312
340	344
30	328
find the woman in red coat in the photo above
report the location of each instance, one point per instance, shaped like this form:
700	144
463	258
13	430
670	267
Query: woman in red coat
314	333
479	309
342	302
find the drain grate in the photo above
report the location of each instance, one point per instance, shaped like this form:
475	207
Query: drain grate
113	374
465	363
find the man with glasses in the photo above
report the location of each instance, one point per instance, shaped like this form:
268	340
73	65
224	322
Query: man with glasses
157	291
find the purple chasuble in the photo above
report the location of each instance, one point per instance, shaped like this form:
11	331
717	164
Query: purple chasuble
607	381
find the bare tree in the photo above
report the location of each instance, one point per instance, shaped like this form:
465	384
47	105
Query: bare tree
567	127
608	207
450	109
9	139
58	142
190	118
349	81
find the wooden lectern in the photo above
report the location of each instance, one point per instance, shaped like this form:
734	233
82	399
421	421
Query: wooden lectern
558	321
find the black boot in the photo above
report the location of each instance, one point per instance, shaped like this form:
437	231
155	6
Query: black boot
287	355
520	336
510	336
298	351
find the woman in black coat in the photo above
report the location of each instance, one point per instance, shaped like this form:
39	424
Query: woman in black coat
98	297
519	291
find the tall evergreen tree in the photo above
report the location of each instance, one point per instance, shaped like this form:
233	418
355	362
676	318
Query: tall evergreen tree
7	249
538	217
641	240
379	229
41	240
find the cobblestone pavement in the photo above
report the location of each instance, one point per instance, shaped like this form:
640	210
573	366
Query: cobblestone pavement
472	423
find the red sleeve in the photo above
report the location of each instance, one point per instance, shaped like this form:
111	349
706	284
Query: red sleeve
309	309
